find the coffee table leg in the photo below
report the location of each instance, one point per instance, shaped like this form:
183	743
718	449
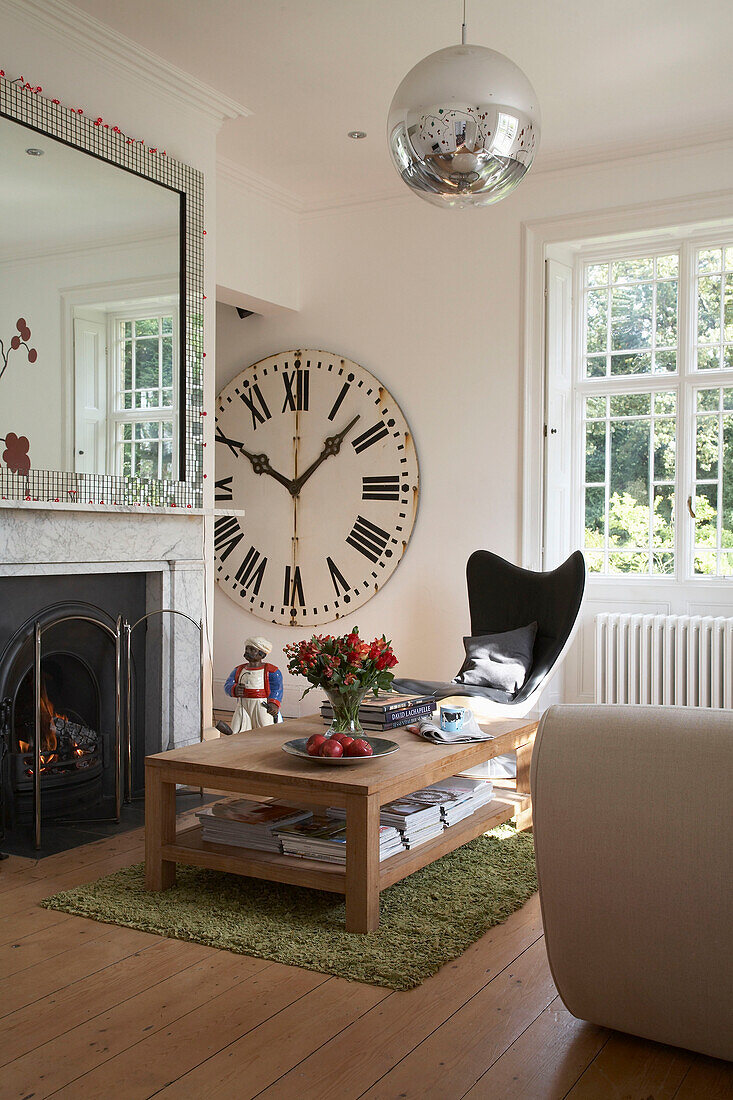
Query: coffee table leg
524	759
362	863
160	829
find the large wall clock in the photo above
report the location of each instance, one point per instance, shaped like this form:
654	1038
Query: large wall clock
321	458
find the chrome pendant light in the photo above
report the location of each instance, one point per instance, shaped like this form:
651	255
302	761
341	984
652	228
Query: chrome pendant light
463	126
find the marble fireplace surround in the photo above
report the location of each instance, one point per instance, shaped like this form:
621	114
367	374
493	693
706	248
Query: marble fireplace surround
168	547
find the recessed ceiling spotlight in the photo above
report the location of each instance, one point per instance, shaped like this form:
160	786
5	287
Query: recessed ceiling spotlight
34	152
357	135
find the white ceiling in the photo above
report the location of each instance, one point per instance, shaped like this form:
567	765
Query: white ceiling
67	199
612	76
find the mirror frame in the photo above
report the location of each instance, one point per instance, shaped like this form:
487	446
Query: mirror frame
22	104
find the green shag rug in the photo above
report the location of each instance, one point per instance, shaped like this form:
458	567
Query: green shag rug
426	920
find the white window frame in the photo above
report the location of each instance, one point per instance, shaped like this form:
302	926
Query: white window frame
686	381
116	415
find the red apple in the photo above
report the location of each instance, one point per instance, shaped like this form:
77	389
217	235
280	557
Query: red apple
343	738
360	747
345	742
331	747
313	744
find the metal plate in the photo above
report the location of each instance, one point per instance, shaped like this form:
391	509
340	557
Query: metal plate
380	745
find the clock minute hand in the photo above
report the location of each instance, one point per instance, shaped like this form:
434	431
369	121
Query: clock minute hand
261	465
331	446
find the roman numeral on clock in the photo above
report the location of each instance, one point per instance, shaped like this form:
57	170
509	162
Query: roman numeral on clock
339	581
223	489
368	539
232	444
227	535
370	436
257	405
385	487
297	399
293	593
252	570
337	403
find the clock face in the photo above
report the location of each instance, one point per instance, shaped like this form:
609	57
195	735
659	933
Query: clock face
319	455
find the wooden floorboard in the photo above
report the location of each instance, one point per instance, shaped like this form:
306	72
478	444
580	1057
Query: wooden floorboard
100	1011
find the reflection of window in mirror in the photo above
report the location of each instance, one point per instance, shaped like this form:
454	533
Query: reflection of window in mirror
126	394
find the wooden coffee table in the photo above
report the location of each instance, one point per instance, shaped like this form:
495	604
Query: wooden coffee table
254	764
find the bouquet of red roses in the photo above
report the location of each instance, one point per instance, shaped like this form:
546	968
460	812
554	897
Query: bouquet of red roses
346	665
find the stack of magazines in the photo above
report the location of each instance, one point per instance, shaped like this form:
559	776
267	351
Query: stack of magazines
416	822
389	710
458	797
324	837
248	824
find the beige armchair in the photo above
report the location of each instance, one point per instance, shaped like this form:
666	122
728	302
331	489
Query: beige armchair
633	822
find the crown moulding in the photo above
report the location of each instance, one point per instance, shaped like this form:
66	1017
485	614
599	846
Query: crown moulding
95	39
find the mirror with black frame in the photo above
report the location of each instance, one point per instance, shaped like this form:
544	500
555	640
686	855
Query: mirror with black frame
100	312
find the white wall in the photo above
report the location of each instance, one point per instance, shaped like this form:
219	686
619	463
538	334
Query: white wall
431	302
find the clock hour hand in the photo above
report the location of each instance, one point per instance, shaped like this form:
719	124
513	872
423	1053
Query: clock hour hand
331	446
261	465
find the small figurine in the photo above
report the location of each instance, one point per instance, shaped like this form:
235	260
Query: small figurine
257	686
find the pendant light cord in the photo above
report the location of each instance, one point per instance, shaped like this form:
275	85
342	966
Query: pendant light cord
463	27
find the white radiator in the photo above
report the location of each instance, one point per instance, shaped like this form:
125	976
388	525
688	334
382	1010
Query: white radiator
668	660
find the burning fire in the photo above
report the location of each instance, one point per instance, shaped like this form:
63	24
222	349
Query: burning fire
49	738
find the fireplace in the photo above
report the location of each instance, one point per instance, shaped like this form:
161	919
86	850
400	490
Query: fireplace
73	652
71	751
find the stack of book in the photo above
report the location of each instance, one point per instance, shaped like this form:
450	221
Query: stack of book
248	824
458	797
389	710
324	838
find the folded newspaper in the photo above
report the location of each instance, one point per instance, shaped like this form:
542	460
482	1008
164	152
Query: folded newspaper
471	731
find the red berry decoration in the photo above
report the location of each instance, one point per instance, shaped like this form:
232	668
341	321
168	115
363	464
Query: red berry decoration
331	748
15	343
360	747
20	324
32	355
313	744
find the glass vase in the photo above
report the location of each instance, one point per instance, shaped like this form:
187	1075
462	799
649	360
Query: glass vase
346	710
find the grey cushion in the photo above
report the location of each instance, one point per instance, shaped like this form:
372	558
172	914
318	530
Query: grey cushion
441	689
499	661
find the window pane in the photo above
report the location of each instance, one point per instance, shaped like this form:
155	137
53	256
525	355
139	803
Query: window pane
663	518
705	561
665	403
631	316
595	366
665	433
596	274
147	364
596	312
668	266
708	359
167	361
709	259
631	364
595	515
707	448
708	400
665	362
635	562
626	270
628	519
595	451
706	515
667	315
728	308
594	561
631	404
127	367
595	407
166	324
708	309
149	326
166	470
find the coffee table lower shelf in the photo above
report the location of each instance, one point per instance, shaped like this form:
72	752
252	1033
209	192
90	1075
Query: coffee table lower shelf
190	848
